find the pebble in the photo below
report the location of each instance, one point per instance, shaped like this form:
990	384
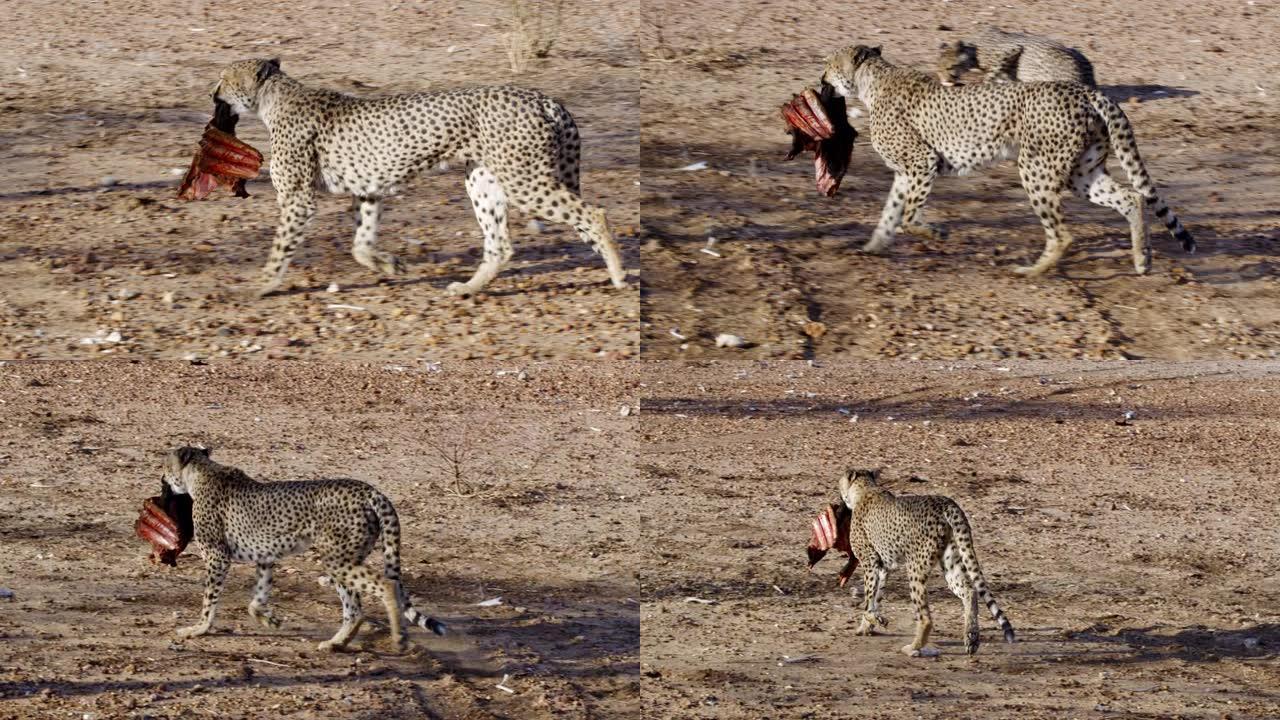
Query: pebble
729	341
109	181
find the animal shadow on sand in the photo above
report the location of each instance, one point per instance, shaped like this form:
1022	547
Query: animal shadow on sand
1144	93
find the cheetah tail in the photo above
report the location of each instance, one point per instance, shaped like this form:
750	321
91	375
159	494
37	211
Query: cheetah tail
1126	150
390	526
963	537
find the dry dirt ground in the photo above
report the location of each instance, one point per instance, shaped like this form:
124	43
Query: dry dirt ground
119	94
550	528
1198	81
1138	562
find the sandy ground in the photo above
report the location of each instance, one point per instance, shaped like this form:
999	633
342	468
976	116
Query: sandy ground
1138	562
550	529
1197	80
119	93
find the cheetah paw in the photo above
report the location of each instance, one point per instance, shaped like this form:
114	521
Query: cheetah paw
460	289
1030	270
925	651
876	247
875	619
266	619
389	264
191	631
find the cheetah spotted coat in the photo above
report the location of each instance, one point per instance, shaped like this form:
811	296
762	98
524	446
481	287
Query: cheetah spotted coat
1061	134
887	532
520	148
238	519
1007	56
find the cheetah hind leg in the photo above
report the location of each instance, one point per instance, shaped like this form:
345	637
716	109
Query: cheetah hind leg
1046	201
918	572
1101	189
360	580
489	201
561	204
258	609
362	248
352	619
958	581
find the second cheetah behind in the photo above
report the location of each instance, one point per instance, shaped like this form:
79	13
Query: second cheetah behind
1009	56
1061	133
917	532
521	149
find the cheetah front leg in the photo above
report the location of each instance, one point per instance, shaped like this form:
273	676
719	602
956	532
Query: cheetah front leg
296	195
258	609
367	234
489	201
906	199
873	577
216	564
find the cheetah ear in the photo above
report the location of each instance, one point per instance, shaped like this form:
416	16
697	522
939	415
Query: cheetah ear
876	51
845	481
875	475
188	455
267	68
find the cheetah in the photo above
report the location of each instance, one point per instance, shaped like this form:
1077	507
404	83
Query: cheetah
919	531
1007	56
238	519
520	149
1061	134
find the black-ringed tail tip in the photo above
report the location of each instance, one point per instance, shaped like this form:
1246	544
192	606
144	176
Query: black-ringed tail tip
1008	635
440	628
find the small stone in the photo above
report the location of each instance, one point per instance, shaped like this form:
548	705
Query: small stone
109	181
729	341
127	294
625	410
333	288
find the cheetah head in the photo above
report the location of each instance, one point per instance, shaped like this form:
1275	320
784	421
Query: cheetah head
176	462
954	60
854	484
239	83
841	65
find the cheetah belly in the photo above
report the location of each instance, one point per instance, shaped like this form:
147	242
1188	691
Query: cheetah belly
965	161
268	551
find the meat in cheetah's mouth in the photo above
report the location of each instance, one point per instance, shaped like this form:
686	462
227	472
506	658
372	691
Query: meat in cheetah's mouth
221	158
818	121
